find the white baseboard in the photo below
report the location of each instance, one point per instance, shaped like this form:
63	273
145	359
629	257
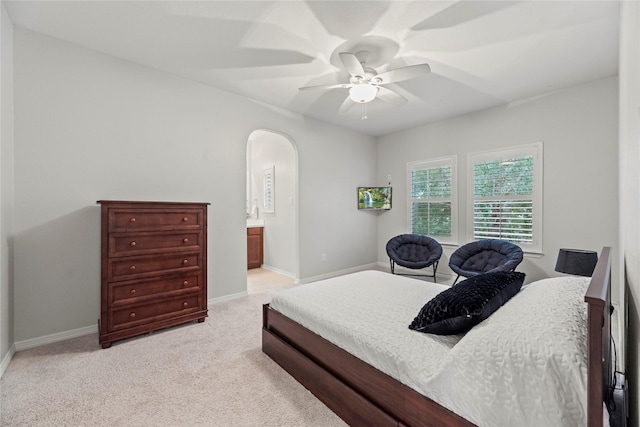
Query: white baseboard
87	330
373	266
59	336
7	358
442	277
74	333
225	298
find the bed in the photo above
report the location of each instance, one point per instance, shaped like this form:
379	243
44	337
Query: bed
541	359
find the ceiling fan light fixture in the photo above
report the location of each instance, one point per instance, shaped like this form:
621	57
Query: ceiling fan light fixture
363	92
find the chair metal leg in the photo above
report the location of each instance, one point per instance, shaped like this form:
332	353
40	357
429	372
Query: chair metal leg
456	281
435	267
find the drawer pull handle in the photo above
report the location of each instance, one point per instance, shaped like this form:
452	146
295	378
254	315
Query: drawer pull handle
133	267
185	240
185	261
132	315
185	219
185	283
133	243
185	304
132	219
132	291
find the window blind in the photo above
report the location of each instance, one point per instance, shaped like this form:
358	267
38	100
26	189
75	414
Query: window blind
431	206
504	199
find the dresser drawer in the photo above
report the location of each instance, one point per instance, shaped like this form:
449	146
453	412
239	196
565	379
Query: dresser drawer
127	244
122	219
137	291
152	265
133	315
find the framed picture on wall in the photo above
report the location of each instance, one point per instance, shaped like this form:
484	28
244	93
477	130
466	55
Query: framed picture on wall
268	181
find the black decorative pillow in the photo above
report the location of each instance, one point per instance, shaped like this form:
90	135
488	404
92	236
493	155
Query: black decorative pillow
468	303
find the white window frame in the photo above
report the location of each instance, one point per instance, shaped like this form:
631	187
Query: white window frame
451	161
536	151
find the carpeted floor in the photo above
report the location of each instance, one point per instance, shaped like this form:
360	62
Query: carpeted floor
261	280
200	374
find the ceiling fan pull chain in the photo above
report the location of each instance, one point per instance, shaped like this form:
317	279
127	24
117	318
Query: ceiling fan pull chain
364	111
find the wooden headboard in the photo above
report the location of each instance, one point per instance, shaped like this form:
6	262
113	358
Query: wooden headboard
600	377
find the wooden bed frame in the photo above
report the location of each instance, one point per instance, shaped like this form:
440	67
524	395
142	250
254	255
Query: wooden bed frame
362	395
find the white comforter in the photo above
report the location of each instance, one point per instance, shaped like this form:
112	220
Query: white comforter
368	314
526	365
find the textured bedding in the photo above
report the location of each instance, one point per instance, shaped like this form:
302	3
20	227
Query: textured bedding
368	314
525	365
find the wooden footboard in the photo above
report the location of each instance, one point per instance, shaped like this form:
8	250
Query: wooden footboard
362	395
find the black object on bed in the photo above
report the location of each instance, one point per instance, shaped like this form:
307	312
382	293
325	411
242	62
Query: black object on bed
461	307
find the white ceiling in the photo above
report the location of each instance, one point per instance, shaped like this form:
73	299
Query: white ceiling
482	53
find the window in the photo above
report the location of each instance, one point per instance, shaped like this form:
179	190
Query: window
506	196
432	198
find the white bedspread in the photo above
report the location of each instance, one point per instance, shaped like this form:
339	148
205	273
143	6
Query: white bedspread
368	314
526	365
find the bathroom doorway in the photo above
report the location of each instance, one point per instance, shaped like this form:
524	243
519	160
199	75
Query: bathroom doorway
272	210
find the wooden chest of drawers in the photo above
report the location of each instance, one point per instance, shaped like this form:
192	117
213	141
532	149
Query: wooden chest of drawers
154	267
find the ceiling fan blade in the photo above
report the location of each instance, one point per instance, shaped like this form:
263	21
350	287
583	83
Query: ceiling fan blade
387	95
352	64
459	13
404	73
340	85
346	105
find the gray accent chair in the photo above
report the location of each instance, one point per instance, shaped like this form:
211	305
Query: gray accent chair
414	251
485	256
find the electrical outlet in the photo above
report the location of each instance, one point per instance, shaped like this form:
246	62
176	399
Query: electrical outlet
324	257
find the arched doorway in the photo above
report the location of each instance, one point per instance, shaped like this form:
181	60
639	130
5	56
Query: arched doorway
272	203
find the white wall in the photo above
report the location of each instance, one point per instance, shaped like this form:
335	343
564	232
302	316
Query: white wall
269	149
630	194
578	127
6	186
330	222
89	126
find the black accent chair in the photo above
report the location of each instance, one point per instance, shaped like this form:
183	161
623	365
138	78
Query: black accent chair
485	256
414	251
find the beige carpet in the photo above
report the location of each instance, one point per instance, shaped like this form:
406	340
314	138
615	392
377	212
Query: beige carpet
261	280
199	374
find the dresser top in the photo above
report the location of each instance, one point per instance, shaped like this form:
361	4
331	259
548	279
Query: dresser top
151	203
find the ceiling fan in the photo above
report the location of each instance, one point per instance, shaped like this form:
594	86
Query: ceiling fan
365	84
